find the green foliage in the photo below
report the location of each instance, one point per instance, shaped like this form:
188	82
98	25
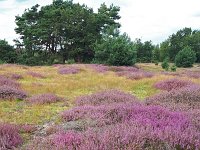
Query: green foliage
173	68
165	64
115	49
164	50
156	54
195	44
64	28
144	51
156	63
7	52
185	58
1	62
179	40
70	61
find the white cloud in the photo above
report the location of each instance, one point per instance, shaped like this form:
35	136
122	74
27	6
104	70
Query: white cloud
147	19
8	10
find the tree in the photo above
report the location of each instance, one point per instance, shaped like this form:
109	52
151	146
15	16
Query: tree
195	44
156	54
178	41
164	50
7	52
64	29
115	49
165	64
185	58
144	50
173	68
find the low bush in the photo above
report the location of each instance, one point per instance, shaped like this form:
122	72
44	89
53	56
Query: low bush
16	76
98	68
44	99
26	128
9	136
10	93
135	75
165	64
5	81
171	84
191	74
36	75
132	127
105	97
68	70
123	68
173	68
106	114
187	98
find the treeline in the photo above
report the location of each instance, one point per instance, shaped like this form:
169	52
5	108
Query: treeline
70	32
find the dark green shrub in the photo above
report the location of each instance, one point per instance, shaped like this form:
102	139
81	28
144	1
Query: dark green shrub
185	58
115	49
156	63
70	61
165	64
1	62
7	52
173	68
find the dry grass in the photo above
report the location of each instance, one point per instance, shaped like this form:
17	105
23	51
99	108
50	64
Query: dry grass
69	87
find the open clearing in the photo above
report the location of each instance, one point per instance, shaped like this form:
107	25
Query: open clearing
46	118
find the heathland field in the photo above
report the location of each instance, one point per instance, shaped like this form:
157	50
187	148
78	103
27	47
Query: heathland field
97	107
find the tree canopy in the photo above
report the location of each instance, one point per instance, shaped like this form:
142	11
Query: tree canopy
64	29
115	49
185	58
7	52
177	41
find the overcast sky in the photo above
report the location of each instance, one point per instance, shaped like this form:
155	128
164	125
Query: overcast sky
151	20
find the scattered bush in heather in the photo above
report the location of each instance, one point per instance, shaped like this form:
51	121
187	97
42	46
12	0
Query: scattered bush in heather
46	98
165	64
4	81
9	136
107	114
57	65
171	84
68	70
195	75
36	75
118	113
10	93
131	72
173	68
188	96
69	140
135	75
26	128
105	97
16	76
39	143
132	127
78	125
102	68
131	135
123	68
98	68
